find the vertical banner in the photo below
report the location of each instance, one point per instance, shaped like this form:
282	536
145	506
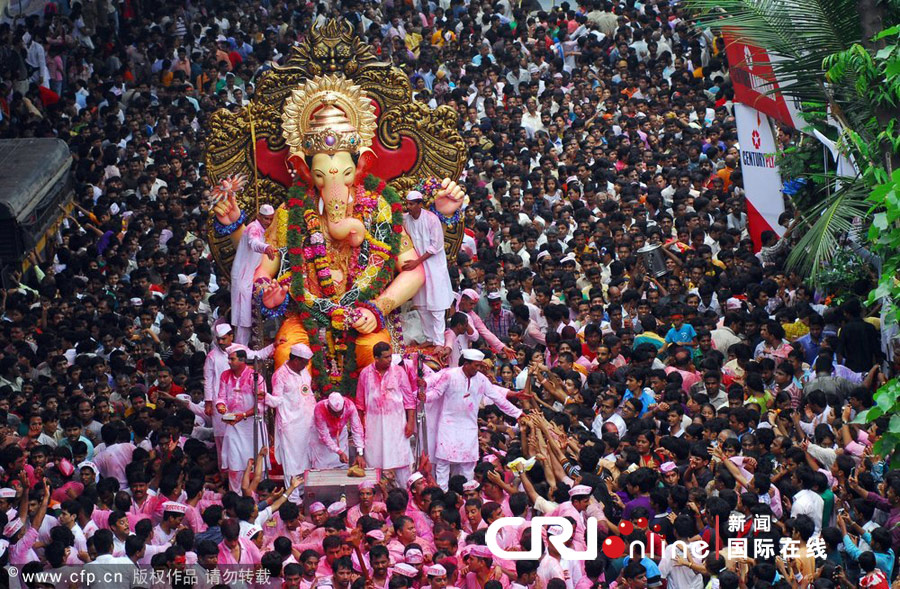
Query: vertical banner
762	182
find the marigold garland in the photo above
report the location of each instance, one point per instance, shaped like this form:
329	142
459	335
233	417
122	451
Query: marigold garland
306	244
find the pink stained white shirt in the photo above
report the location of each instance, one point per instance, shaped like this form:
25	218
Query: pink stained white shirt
568	570
457	344
147	509
275	527
378	511
249	553
423	523
90	528
471	582
248	253
157	515
236	392
217	363
80	540
312	542
193	518
503	503
480	329
238	396
688	377
151	550
427	235
467	525
331	435
461	398
294	404
324	569
22	552
100	518
568	510
160	537
112	461
385	398
533	336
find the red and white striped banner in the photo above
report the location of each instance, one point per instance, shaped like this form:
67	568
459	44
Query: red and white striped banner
762	181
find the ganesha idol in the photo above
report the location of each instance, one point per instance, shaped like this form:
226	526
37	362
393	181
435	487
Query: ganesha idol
342	273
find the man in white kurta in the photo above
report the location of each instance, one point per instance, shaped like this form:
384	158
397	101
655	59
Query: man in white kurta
386	400
334	420
235	403
433	299
247	255
461	391
217	363
294	403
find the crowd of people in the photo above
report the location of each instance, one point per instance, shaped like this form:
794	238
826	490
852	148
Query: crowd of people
710	405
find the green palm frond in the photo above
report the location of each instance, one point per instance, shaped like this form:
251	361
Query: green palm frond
802	32
792	28
831	219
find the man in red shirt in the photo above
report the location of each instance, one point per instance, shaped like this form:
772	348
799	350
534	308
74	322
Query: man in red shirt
164	384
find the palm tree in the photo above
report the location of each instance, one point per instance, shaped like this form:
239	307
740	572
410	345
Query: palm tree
822	48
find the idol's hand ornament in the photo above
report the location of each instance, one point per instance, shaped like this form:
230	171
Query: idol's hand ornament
274	295
366	322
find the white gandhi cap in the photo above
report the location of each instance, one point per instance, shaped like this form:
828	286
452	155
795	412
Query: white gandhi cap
473	355
301	351
336	401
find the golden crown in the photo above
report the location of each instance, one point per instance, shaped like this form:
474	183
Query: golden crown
328	114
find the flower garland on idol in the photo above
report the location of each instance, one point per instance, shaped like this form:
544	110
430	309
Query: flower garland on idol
327	319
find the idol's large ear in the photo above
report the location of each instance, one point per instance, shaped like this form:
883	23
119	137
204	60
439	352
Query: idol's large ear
364	164
301	173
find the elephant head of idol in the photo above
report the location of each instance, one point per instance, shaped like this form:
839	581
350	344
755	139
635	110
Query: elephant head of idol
329	124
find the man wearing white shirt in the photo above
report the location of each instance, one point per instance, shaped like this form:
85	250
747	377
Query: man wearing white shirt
681	563
36	58
460	391
807	501
531	119
68	518
216	363
107	570
640	47
432	300
608	415
172	518
726	336
517	247
816	403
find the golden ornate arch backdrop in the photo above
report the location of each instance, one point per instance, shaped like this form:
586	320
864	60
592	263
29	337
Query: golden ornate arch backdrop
413	141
